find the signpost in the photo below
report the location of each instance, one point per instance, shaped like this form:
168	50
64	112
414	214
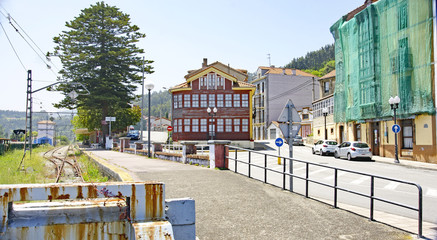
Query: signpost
169	128
289	123
279	142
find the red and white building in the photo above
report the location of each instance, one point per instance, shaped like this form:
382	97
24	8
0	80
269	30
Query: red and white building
213	86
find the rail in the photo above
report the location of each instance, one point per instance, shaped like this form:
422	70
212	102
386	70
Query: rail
335	186
173	148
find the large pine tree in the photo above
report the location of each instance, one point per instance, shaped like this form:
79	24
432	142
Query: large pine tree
99	50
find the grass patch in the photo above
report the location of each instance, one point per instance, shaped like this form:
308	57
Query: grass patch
35	166
90	170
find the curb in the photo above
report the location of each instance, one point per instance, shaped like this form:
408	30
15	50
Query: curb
114	172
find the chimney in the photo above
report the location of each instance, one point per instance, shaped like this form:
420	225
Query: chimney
293	72
205	62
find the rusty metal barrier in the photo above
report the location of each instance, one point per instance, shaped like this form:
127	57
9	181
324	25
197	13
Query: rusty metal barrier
128	210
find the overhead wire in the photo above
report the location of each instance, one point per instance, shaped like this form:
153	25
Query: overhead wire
13	48
293	90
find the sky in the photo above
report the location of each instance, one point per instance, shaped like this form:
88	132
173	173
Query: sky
179	34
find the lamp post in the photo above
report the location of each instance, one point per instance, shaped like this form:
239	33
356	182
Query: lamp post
394	104
142	105
212	113
149	86
325	113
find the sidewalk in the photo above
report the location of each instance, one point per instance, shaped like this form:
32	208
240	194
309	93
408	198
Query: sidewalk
231	206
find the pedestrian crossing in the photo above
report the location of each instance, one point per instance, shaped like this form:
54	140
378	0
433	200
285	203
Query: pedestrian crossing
327	174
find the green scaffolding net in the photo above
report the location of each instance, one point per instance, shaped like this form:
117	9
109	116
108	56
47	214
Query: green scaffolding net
384	50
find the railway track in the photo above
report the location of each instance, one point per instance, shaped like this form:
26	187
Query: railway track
66	167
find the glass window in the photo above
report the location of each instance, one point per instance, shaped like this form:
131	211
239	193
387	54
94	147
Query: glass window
180	124
245	125
236	125
195	100
186	125
245	100
175	125
203	100
407	134
211	100
236	100
326	88
187	102
203	125
228	125
219	125
228	100
180	101
219	100
195	127
175	101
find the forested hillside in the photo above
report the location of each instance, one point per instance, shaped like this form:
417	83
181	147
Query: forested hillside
319	62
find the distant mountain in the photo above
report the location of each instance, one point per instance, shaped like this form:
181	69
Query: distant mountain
314	60
11	120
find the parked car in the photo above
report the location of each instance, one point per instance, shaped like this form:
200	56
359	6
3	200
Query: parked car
298	141
353	150
323	147
134	135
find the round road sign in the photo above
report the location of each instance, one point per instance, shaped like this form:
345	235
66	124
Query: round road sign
279	142
169	128
396	128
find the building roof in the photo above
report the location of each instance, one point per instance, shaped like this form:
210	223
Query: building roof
276	123
239	74
331	74
46	122
354	12
245	84
288	71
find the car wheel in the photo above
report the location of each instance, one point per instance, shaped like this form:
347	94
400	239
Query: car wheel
349	157
336	154
321	152
313	150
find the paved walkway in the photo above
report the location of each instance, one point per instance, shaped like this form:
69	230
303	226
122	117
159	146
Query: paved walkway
231	206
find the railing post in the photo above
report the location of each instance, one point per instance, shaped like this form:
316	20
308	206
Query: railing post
291	175
218	153
265	168
307	173
335	187
372	193
420	212
249	165
283	173
236	150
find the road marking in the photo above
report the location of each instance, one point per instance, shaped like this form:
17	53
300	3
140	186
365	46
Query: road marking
431	192
319	171
360	180
391	185
333	176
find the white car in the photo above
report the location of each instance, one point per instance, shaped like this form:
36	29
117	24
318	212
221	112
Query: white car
353	150
323	147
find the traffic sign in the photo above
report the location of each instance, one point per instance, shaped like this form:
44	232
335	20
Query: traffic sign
110	119
284	116
279	142
169	128
396	128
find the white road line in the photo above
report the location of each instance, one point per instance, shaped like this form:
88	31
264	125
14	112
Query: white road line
391	185
431	192
333	176
360	180
319	171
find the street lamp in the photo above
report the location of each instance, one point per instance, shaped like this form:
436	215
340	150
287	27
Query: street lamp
394	103
149	86
325	113
212	113
142	105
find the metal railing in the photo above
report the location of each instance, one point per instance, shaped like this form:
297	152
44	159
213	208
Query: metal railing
335	186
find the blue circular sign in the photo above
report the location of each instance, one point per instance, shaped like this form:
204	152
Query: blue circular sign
396	128
279	142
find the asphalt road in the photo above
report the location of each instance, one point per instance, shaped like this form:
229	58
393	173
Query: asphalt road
393	191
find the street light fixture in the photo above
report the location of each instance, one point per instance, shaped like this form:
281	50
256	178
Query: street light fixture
149	86
212	113
394	104
325	113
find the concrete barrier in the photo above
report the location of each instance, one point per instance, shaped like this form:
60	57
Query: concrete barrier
128	210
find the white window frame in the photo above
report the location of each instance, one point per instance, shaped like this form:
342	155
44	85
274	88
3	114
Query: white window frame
203	100
180	125
237	102
219	100
236	125
228	126
228	100
187	101
203	125
244	100
187	124
220	125
211	100
245	125
195	125
195	99
180	101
